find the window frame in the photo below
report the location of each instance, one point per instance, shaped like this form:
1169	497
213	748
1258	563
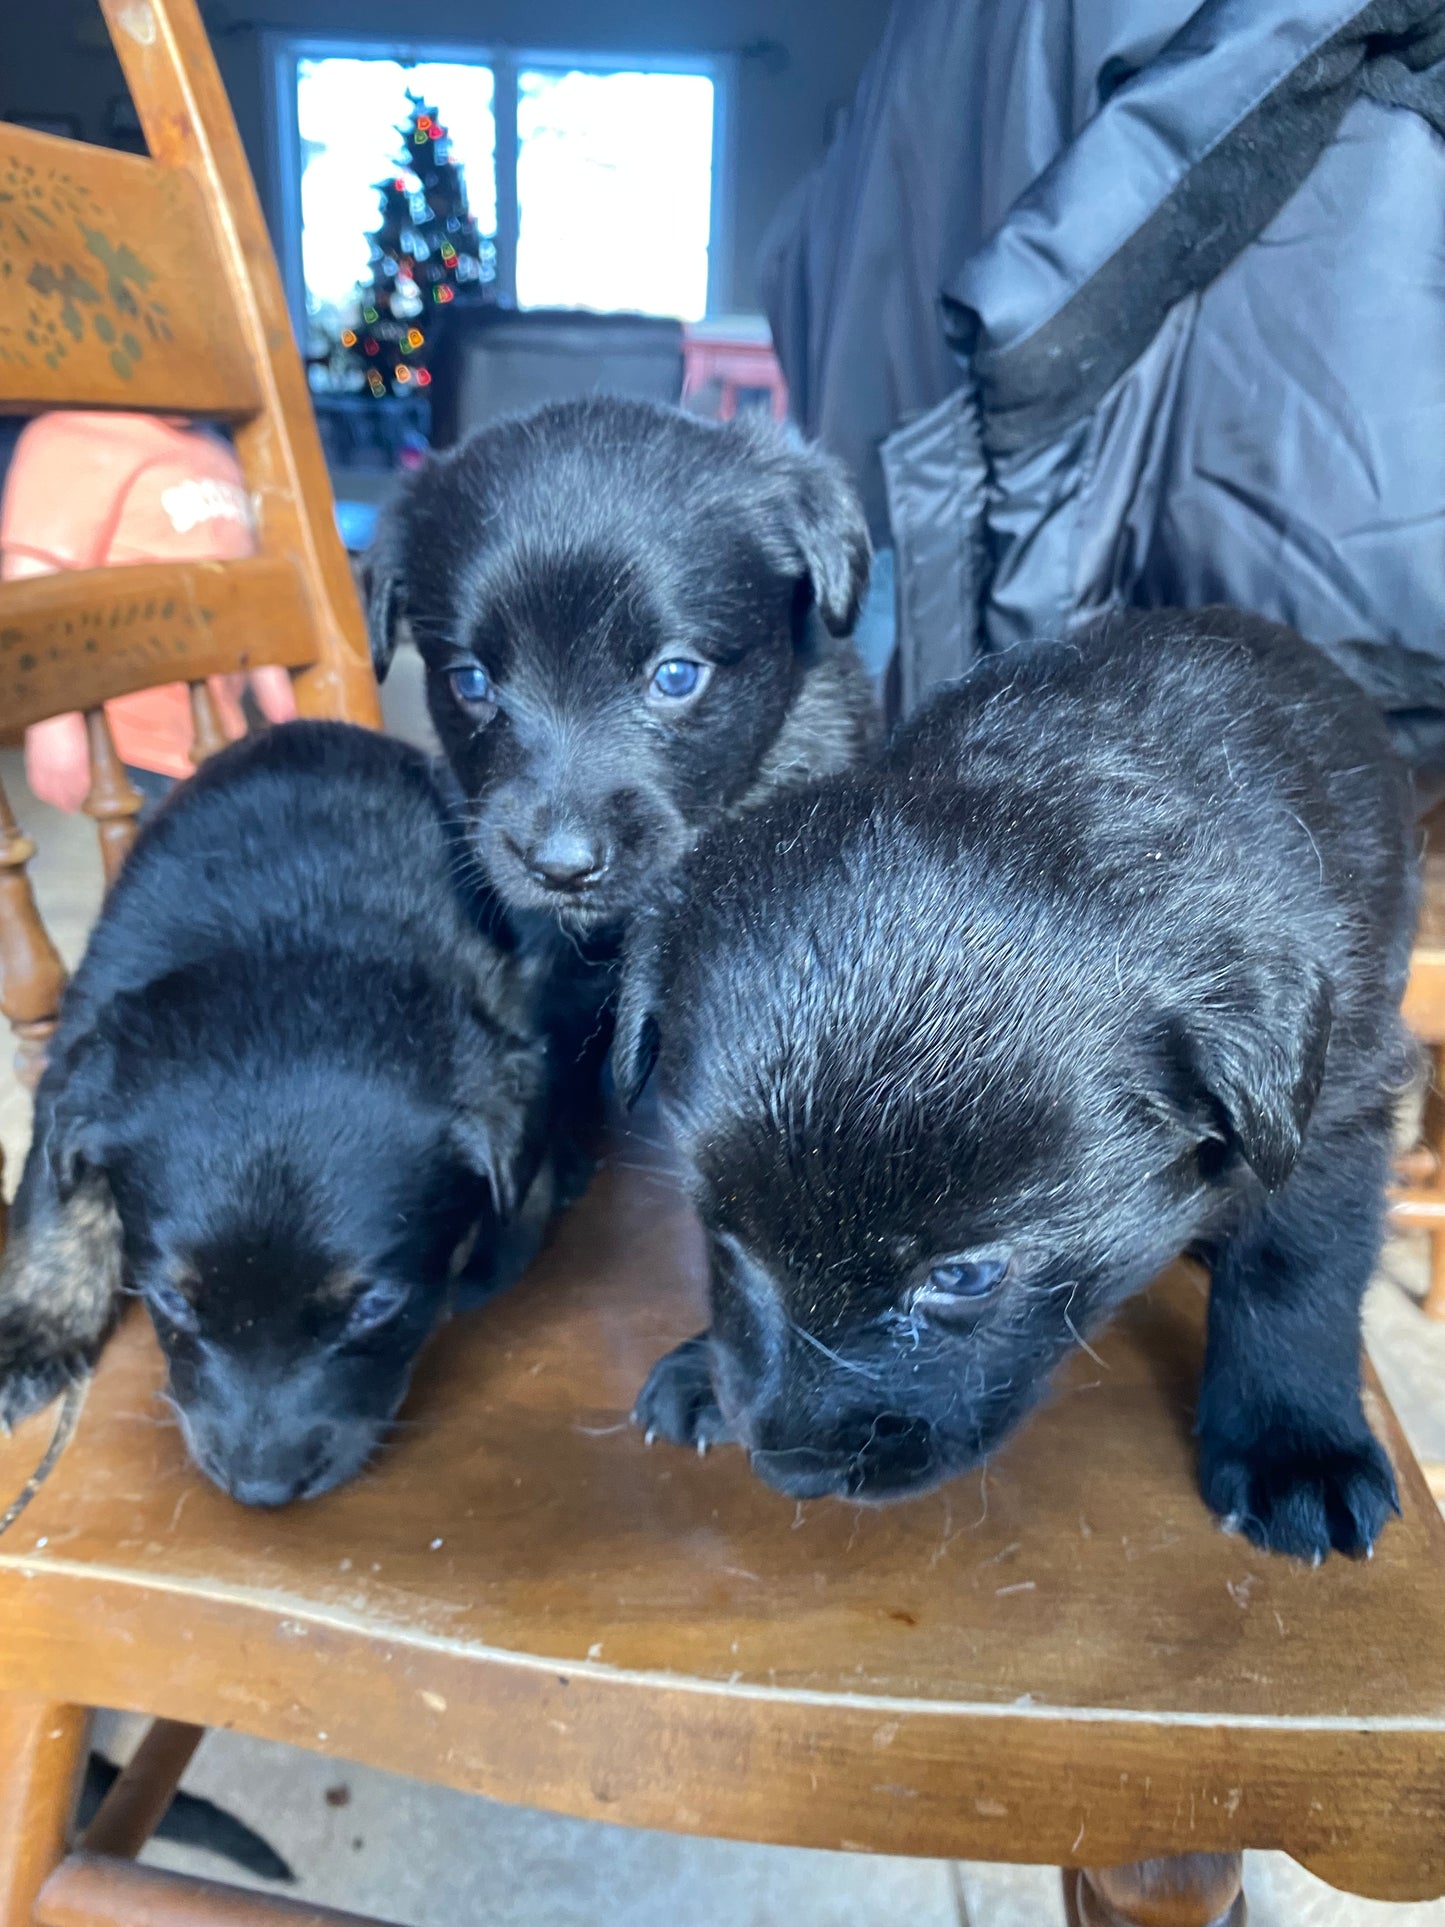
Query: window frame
282	52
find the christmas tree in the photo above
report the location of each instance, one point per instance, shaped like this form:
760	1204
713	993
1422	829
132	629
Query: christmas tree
425	254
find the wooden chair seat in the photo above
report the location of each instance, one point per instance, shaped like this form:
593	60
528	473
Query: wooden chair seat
1062	1658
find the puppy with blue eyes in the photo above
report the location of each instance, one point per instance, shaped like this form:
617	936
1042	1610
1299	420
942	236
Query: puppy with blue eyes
1099	964
634	624
296	1101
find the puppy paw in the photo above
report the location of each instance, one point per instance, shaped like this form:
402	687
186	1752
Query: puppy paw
1302	1496
677	1402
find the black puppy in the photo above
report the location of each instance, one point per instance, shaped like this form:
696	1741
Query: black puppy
1100	964
634	623
293	1090
618	605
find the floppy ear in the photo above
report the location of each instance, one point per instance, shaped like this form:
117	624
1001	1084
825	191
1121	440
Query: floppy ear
638	1035
382	585
1258	1052
816	520
499	1125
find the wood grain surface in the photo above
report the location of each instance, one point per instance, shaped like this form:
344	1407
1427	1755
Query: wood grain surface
1059	1658
112	289
81	637
188	125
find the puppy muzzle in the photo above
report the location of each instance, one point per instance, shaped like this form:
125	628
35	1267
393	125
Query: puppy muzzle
886	1456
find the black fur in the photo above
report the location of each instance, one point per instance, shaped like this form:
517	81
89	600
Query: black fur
293	1083
567	553
1100	963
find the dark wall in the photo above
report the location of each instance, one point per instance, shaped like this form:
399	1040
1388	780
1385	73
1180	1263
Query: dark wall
797	60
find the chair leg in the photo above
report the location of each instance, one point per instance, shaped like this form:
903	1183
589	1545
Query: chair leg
141	1797
1434	1306
1193	1890
43	1750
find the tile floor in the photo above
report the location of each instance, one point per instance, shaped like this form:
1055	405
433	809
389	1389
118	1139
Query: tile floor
424	1857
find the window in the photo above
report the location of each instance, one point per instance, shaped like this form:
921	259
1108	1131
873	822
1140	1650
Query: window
614	190
607	198
347	114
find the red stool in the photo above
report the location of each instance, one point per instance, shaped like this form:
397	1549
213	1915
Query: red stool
736	358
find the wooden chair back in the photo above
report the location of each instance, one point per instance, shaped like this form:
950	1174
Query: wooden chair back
148	283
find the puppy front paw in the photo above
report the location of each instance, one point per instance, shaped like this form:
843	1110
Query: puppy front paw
1300	1495
35	1367
677	1402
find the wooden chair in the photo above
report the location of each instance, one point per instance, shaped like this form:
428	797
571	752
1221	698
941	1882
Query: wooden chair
1059	1659
149	284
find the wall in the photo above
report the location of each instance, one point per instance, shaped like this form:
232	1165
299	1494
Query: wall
796	61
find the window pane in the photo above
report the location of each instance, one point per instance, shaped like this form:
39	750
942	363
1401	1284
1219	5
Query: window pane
614	186
349	112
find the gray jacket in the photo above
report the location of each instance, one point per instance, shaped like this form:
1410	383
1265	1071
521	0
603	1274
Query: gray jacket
1138	302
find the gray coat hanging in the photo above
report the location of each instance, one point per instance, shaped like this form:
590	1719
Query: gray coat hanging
1138	303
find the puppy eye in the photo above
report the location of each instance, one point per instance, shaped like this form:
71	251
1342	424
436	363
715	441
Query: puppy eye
679	678
958	1285
173	1308
376	1306
472	687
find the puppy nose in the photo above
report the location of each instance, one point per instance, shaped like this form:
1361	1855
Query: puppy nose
565	860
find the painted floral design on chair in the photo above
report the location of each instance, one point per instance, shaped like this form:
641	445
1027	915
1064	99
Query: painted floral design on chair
78	278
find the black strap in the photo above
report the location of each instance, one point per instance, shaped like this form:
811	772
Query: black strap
1056	375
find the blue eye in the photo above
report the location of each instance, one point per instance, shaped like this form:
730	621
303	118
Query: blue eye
678	678
173	1308
376	1306
472	686
958	1282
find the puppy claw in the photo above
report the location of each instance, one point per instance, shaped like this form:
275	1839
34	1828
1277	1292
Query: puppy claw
1299	1495
649	1437
677	1402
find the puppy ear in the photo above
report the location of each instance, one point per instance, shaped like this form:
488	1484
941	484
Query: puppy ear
1259	1052
499	1122
382	585
816	520
637	1036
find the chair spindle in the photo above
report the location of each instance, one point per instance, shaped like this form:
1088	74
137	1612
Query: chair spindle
208	732
32	976
112	801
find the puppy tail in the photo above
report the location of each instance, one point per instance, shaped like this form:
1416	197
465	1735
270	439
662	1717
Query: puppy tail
60	1278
